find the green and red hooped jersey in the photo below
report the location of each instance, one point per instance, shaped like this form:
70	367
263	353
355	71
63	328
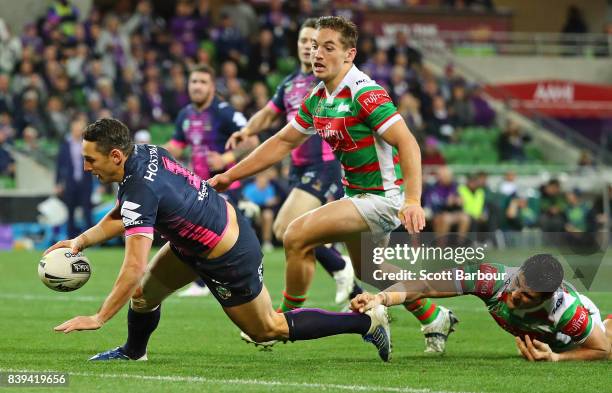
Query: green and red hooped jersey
352	120
563	321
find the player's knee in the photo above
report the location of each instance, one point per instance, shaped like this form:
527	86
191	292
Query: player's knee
141	303
274	328
294	239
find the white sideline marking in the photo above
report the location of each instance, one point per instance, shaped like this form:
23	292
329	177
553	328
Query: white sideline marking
257	382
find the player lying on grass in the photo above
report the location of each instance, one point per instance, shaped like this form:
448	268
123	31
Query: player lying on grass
550	320
206	238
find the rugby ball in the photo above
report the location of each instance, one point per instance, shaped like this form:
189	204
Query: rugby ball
63	271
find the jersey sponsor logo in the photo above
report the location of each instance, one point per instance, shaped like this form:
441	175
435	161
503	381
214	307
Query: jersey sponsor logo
130	216
370	100
579	322
557	304
344	108
152	166
360	81
484	288
333	131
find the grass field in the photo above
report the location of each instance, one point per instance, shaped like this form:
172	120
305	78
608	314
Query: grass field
197	349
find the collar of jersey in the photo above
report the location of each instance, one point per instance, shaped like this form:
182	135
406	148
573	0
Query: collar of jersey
343	83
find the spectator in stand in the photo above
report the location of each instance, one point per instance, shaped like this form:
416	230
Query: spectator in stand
7	162
108	97
155	104
76	63
402	46
426	95
512	142
94	107
58	117
473	199
133	116
31	115
63	17
519	215
574	22
6	125
577	213
445	205
73	185
7	102
230	43
431	155
263	57
602	211
10	49
114	46
508	186
398	83
243	16
484	115
229	72
277	20
262	192
142	137
378	68
441	125
31	38
409	107
30	142
461	107
553	207
188	26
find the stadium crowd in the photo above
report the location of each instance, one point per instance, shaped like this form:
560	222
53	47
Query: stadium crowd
133	66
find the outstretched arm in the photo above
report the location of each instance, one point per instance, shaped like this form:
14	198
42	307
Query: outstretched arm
268	153
137	249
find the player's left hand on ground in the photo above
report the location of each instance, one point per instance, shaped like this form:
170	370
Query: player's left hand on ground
534	350
412	217
215	161
364	302
79	323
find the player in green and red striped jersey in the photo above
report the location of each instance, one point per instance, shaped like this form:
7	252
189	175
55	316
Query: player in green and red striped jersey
550	320
381	162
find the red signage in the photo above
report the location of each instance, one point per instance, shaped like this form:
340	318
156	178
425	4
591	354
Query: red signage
557	98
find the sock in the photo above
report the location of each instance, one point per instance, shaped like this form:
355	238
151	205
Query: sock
291	302
140	327
356	290
424	310
200	282
330	259
311	323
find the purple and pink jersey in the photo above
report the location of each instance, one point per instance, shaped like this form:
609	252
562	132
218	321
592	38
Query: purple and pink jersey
288	98
206	131
158	193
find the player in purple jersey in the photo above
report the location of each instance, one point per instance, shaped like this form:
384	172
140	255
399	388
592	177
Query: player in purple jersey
315	172
204	125
207	238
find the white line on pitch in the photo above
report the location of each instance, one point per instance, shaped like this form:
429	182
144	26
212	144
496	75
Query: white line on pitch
255	382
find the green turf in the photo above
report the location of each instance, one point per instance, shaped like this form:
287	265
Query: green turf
197	349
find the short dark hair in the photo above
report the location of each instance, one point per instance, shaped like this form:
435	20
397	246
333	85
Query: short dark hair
109	134
542	273
346	28
205	68
310	22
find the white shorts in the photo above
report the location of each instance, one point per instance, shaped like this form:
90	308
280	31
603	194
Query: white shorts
380	213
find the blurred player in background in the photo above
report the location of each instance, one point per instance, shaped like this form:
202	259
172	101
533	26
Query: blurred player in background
207	238
204	125
382	167
315	171
550	320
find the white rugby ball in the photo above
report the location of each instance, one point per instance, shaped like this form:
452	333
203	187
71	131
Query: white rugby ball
63	271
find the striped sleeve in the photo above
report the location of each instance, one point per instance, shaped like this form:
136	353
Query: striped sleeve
377	108
303	121
576	322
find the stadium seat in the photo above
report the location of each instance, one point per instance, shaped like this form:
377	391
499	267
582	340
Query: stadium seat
161	133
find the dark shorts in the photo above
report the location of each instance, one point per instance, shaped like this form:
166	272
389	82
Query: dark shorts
236	277
323	180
